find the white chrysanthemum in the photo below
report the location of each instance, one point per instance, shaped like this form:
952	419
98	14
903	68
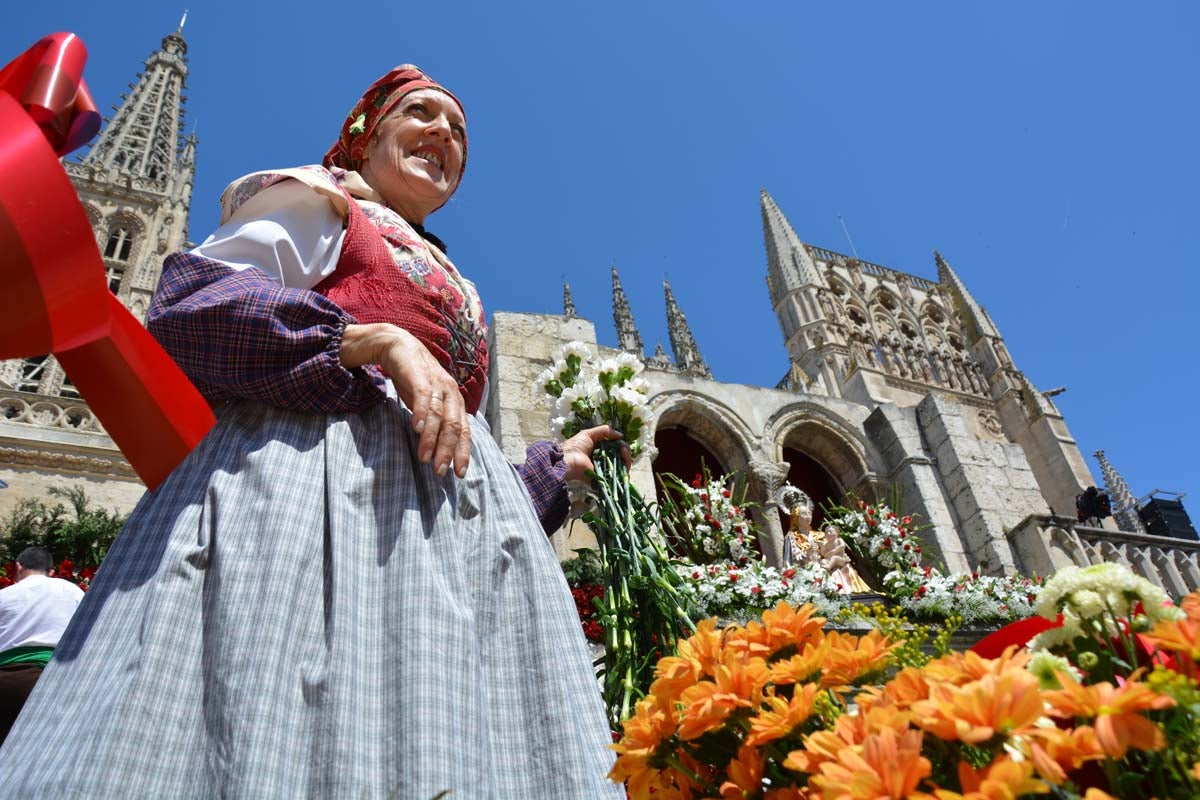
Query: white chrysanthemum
556	426
631	361
625	395
1086	603
595	392
607	366
577	348
638	385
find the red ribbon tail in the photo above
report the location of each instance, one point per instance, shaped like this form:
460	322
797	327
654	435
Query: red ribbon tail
145	402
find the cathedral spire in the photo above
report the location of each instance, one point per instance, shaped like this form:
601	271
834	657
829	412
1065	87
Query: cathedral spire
789	266
687	355
974	318
143	139
627	333
1124	506
568	301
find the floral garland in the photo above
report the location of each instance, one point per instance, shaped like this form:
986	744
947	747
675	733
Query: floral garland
706	520
888	548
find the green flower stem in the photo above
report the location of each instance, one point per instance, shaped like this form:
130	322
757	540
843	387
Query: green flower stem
644	609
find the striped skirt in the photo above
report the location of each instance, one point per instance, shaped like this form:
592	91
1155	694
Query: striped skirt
304	610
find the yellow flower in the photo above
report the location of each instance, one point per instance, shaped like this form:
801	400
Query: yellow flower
737	684
890	766
781	716
1118	720
977	711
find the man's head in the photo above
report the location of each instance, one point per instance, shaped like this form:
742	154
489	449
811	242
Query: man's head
34	561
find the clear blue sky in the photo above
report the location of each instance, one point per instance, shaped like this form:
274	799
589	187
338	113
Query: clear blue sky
1048	150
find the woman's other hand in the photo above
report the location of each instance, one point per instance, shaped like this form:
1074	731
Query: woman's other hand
577	451
438	412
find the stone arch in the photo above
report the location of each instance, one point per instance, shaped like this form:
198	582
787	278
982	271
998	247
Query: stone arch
884	299
932	311
711	423
112	244
828	440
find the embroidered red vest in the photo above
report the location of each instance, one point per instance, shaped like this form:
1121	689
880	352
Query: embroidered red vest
369	285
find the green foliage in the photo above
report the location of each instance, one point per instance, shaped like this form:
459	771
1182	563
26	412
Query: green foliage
75	530
585	569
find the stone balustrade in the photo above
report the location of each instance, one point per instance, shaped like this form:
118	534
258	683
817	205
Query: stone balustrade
42	411
1046	544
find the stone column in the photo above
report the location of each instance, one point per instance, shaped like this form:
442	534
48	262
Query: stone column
767	478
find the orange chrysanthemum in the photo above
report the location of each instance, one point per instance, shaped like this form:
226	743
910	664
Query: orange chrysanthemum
1117	712
849	731
1181	637
851	657
699	654
652	722
745	774
890	765
962	668
1055	753
781	716
1003	779
803	666
977	711
736	684
907	687
782	626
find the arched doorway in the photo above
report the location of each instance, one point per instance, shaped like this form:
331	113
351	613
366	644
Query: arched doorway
683	455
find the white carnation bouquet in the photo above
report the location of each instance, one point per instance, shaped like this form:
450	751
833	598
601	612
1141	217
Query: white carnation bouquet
644	608
586	391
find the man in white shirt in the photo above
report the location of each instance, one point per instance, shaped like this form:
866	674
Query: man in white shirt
34	612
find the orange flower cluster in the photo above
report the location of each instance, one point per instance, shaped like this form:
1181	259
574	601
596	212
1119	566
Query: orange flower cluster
764	712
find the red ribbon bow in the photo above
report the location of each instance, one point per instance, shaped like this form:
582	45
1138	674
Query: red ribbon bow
55	298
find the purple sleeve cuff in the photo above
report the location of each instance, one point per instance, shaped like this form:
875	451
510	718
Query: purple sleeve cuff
239	335
544	473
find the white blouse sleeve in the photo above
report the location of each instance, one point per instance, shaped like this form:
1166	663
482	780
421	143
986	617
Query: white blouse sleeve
287	230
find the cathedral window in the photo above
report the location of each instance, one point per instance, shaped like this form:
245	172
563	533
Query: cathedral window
114	275
31	374
120	243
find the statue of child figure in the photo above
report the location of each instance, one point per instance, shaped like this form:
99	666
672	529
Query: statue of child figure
823	548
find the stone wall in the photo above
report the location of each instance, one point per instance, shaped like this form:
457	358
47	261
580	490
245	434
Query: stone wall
990	484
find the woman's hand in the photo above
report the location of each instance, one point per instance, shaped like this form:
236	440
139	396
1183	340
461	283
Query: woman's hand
577	451
438	412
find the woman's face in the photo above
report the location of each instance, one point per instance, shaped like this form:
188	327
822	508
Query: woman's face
416	153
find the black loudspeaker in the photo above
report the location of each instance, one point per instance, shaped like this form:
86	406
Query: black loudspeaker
1167	518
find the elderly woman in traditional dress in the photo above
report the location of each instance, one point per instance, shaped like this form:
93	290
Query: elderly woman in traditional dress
345	590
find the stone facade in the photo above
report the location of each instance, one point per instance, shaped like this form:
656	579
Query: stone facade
896	383
135	184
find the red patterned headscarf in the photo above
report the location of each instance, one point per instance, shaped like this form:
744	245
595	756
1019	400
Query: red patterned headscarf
373	106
